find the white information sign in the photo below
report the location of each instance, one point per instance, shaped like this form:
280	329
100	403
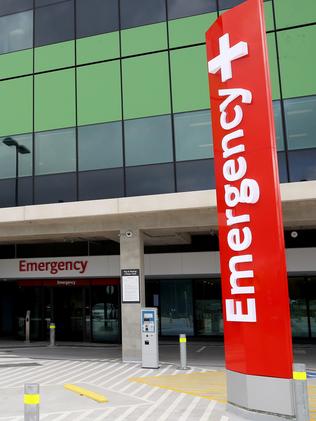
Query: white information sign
130	286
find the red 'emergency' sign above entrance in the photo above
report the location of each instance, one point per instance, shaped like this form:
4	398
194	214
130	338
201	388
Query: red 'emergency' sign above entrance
254	279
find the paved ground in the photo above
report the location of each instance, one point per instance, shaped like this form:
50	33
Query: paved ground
167	394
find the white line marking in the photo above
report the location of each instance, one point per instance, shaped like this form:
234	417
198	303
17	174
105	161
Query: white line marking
208	411
170	409
201	349
152	408
118	375
186	414
85	415
224	418
104	414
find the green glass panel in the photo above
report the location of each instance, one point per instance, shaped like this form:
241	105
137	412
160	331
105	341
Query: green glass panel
273	62
297	61
98	48
55	56
55	100
16	64
144	39
268	13
146	86
189	79
99	93
294	12
190	30
16	106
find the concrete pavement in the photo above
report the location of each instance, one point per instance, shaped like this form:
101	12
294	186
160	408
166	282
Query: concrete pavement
166	394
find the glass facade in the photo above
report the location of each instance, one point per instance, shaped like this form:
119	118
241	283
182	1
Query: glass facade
111	97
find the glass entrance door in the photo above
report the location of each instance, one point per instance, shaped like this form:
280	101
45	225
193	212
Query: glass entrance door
69	313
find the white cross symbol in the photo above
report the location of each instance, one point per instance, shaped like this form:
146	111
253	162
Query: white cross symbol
227	54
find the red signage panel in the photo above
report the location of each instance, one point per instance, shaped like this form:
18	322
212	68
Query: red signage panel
254	279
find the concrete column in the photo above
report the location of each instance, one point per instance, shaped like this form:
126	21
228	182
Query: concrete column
132	257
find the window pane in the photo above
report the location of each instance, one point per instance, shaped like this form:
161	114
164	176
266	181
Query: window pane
150	179
25	191
227	4
55	188
96	17
193	135
195	175
7	193
182	8
208	307
302	164
102	184
8	7
298	307
148	140
300	116
100	146
55	151
54	23
142	12
282	167
278	125
16	32
8	155
176	307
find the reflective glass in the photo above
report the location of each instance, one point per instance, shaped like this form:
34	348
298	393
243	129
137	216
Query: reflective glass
148	140
55	188
55	151
300	117
7	193
227	4
101	184
54	23
150	179
298	307
142	12
176	307
302	164
105	314
311	284
8	7
16	32
208	307
25	191
96	17
282	167
195	175
100	146
22	154
193	135
182	8
278	125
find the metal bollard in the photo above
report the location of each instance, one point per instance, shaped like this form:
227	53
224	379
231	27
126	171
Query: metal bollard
52	330
31	402
27	326
183	352
300	392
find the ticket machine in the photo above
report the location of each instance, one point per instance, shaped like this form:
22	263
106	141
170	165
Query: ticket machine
149	327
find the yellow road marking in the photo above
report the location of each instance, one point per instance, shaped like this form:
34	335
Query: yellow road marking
208	385
87	393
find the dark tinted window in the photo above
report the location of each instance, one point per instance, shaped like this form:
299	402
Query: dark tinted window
282	167
227	4
102	184
142	12
195	175
151	179
13	6
7	193
54	23
302	165
25	191
55	188
16	32
96	17
182	8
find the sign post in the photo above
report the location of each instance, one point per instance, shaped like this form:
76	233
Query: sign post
258	344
